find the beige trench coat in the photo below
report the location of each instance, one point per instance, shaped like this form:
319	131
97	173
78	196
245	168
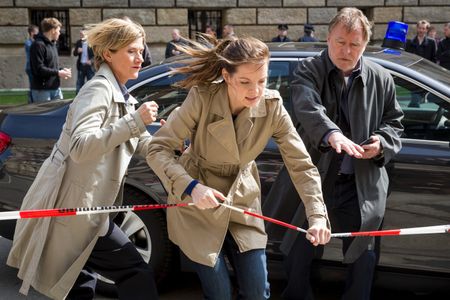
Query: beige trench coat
86	168
221	155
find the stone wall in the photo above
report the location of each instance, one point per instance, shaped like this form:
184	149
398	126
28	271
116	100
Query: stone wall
258	18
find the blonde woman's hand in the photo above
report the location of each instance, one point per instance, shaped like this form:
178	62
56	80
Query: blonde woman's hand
148	112
205	197
318	234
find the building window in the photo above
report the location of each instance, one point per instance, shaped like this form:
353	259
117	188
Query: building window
200	19
63	16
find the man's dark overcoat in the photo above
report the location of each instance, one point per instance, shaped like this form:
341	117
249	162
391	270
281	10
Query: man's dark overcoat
373	109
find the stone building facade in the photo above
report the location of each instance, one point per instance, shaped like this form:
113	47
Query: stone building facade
258	18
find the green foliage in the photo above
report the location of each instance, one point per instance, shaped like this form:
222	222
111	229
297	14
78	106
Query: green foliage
8	97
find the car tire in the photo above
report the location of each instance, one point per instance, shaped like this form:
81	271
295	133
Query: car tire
151	240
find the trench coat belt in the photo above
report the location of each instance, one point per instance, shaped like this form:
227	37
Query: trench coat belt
61	149
215	168
223	170
57	156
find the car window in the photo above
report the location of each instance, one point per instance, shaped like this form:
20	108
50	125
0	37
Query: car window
278	79
426	114
162	92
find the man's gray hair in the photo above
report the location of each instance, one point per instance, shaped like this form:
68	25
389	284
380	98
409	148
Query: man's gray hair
352	19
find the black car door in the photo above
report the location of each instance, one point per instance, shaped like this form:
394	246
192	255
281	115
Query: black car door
419	181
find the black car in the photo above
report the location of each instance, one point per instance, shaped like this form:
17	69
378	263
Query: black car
419	184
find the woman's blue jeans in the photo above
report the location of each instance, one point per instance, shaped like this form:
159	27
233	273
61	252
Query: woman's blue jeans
250	269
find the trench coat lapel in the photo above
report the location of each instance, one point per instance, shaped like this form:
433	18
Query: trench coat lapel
125	107
222	130
118	97
244	121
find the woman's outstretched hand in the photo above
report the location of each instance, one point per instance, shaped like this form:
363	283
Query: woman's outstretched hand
205	197
318	234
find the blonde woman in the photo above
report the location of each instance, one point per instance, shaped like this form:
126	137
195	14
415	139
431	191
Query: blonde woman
58	256
229	122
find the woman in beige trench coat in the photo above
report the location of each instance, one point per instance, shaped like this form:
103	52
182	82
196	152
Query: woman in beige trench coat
86	168
228	123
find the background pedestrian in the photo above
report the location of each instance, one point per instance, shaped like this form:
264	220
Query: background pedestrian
33	30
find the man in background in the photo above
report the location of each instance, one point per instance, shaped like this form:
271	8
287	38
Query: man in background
421	44
443	52
33	30
282	34
228	31
45	85
85	60
308	29
209	30
171	50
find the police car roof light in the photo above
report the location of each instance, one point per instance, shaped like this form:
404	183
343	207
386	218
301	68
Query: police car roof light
395	37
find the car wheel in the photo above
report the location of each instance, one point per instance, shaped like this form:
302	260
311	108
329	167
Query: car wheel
147	230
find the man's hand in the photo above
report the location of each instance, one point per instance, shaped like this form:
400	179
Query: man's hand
148	112
373	149
205	197
340	143
65	73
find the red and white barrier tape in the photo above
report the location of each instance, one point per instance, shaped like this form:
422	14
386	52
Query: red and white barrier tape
403	231
65	212
406	231
271	220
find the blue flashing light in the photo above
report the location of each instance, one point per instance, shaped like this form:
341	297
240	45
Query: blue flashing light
392	51
395	35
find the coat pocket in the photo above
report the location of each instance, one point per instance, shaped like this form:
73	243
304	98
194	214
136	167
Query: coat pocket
248	193
71	195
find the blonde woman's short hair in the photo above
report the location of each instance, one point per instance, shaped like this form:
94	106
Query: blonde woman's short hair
352	18
112	34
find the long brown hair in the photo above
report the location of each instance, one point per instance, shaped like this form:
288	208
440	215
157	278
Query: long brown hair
207	61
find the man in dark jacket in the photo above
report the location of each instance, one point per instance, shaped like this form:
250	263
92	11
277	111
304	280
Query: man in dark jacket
45	84
443	52
171	50
421	44
85	60
346	111
309	34
282	34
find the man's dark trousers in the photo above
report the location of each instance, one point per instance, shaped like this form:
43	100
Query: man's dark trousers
345	216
